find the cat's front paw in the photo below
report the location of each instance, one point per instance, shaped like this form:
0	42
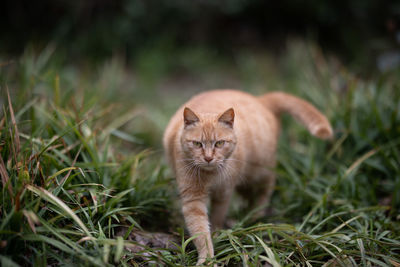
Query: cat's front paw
202	262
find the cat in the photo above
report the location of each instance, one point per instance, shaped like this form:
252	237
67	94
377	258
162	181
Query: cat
224	140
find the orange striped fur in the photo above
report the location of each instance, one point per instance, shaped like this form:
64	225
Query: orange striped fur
226	139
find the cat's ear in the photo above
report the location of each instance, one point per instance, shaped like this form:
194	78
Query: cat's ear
227	117
189	117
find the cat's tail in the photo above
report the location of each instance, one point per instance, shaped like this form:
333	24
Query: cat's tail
307	114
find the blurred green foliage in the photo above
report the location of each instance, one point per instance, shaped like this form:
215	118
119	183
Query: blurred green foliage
99	29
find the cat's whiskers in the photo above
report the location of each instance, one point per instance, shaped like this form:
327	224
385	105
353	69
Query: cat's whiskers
231	170
189	167
192	170
223	176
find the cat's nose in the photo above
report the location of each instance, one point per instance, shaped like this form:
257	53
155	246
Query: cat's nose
208	159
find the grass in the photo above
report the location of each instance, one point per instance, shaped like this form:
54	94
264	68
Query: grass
82	168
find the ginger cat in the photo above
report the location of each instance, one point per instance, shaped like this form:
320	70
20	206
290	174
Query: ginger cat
224	140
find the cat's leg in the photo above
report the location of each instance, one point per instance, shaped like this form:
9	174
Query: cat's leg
220	200
265	187
194	209
258	191
248	193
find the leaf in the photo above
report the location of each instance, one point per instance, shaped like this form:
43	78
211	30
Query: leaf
5	261
58	202
271	256
120	248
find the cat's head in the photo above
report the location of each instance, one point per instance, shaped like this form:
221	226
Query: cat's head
208	139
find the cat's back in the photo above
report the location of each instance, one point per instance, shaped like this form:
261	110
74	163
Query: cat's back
247	108
250	113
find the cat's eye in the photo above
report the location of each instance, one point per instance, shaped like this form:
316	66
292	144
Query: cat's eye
197	144
219	144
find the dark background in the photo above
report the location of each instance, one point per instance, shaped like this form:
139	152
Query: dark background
357	31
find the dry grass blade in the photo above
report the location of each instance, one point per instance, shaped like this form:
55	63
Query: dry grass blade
73	165
394	263
5	178
344	224
3	120
16	134
360	160
32	219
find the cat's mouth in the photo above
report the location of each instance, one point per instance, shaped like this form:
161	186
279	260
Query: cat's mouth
208	166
